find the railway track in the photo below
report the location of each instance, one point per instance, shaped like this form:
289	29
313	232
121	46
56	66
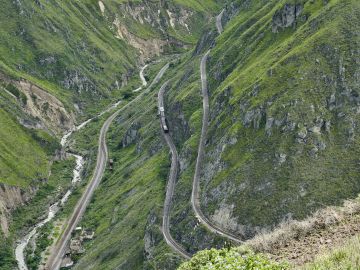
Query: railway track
55	259
171	183
195	195
219	22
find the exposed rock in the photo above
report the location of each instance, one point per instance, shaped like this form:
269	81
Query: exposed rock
156	17
320	144
179	18
76	246
131	135
281	158
327	126
66	262
10	198
148	48
268	125
314	151
351	130
44	110
207	40
221	104
75	80
178	123
315	129
151	238
332	102
302	133
286	17
223	217
231	10
102	7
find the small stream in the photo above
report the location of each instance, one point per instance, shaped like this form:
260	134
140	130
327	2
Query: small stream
54	208
142	77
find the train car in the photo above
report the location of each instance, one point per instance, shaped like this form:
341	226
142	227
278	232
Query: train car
164	125
163	120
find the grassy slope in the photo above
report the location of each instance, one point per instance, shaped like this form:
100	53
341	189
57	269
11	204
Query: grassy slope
126	209
113	214
50	43
22	158
278	75
116	216
55	41
44	44
243	58
345	257
129	195
241	69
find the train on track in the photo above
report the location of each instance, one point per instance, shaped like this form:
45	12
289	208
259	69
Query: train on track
163	120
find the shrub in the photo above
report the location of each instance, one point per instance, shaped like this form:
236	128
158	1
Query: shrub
232	259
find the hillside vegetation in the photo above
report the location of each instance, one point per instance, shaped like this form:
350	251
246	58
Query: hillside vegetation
14	144
284	113
282	139
283	81
61	63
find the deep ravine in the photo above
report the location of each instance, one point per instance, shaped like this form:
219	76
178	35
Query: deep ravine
54	208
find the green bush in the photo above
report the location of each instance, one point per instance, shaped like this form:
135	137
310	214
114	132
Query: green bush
231	259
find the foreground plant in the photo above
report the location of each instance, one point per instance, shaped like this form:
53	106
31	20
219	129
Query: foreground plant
232	259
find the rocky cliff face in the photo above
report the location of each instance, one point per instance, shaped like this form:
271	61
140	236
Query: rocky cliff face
279	134
287	16
10	198
153	28
44	110
48	109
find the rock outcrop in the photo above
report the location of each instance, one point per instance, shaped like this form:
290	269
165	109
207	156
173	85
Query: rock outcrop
49	110
286	17
10	198
45	111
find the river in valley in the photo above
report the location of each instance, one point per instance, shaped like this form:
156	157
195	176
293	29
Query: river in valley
54	208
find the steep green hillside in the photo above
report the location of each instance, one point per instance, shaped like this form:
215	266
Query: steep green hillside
65	47
126	210
24	154
22	158
282	141
72	50
75	51
284	113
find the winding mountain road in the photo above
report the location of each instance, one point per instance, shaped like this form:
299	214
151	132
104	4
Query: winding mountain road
55	258
195	195
170	185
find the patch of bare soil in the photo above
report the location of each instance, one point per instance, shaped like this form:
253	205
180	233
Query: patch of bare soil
304	249
299	242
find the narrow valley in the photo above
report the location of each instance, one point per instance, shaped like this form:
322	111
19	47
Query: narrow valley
180	135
